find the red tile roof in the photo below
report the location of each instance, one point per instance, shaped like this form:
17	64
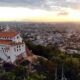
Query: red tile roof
9	34
5	42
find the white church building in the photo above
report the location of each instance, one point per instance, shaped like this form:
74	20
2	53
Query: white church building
11	46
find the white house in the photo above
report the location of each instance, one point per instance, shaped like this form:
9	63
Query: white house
11	46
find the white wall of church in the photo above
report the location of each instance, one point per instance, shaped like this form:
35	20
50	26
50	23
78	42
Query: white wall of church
17	38
17	50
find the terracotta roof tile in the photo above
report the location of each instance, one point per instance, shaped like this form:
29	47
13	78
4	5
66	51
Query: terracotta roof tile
5	42
9	34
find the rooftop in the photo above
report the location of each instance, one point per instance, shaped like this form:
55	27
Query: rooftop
9	42
9	34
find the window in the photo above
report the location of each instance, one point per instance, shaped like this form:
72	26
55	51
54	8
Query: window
17	37
19	46
17	49
8	57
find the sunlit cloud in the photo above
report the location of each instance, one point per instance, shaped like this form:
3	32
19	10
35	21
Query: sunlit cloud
39	10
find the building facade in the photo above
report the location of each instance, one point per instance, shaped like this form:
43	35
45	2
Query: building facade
11	46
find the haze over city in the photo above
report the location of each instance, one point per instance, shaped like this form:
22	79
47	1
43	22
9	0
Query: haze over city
40	10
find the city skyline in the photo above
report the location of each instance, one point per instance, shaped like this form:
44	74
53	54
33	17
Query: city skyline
40	10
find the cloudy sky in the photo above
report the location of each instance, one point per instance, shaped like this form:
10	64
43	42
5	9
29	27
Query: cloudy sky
40	10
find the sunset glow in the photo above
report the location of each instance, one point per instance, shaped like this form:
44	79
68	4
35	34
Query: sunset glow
33	13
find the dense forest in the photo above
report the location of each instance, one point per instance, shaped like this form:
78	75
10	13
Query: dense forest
58	66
